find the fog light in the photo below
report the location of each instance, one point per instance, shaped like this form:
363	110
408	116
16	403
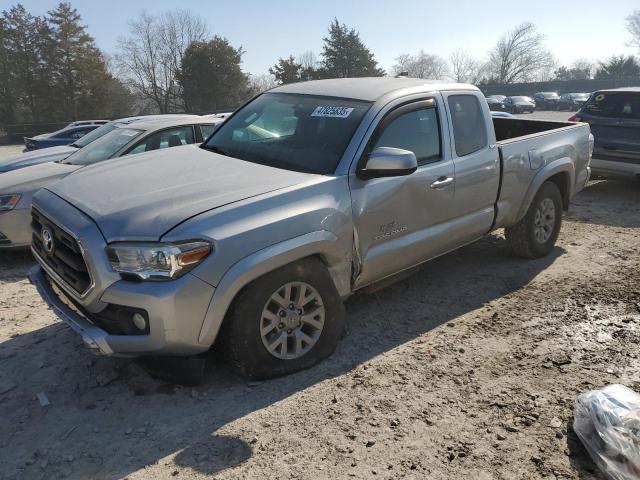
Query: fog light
139	321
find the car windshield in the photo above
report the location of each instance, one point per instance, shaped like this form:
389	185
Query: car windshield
95	134
549	95
304	133
520	99
104	147
581	96
614	104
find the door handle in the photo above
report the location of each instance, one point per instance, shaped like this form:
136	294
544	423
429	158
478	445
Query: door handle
441	182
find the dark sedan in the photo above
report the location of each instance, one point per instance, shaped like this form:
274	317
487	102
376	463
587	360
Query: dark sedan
519	105
495	104
546	100
572	101
65	136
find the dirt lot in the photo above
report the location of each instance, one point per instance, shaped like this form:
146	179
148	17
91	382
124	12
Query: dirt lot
467	369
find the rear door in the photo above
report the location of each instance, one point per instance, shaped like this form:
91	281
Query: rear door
614	118
476	162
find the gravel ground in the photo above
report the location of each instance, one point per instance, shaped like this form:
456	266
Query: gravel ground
468	369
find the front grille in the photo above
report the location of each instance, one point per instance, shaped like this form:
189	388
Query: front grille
62	254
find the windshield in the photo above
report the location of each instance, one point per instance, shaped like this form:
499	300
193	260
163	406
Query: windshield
520	99
104	147
549	95
581	96
304	133
95	134
618	104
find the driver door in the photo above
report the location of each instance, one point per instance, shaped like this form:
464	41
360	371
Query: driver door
405	220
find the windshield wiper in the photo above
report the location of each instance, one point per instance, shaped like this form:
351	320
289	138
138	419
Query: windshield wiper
74	145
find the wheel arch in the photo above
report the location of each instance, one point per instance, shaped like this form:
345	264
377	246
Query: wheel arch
322	245
560	172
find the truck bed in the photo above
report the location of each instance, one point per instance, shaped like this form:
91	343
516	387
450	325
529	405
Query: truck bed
511	128
536	145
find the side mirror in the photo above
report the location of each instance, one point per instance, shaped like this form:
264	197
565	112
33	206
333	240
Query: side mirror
389	162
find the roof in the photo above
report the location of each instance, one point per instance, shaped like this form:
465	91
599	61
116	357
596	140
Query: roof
368	88
623	89
158	123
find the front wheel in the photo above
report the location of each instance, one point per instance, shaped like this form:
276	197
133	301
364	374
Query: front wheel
535	235
285	321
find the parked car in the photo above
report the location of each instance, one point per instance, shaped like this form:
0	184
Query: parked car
495	105
614	117
501	115
308	193
519	104
18	187
65	136
572	101
53	154
546	100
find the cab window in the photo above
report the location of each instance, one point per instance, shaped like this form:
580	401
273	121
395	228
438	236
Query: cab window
469	124
417	131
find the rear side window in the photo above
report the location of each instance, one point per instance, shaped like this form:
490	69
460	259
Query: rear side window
614	104
417	131
469	124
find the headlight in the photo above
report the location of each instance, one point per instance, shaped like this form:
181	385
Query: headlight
157	261
8	202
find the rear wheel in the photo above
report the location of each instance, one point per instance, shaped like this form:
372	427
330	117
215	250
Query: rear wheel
285	321
535	235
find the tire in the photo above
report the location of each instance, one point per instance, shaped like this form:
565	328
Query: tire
241	337
527	238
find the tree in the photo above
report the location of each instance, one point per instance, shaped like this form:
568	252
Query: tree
633	27
580	70
422	65
25	39
287	70
619	67
464	68
309	63
344	55
52	71
260	83
519	55
211	77
150	57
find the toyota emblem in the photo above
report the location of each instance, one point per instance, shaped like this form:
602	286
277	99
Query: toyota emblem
47	240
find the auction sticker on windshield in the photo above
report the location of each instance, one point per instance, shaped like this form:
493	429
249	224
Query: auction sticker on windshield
332	112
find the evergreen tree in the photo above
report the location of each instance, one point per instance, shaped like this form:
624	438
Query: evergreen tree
619	67
210	76
344	55
287	70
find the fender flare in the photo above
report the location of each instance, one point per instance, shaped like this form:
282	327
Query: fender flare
561	165
320	243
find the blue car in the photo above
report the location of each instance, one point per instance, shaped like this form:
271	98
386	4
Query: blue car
65	136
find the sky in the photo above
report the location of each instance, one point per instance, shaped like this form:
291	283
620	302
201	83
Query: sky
267	30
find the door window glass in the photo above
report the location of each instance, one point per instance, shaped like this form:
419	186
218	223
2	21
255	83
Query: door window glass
417	131
172	137
469	124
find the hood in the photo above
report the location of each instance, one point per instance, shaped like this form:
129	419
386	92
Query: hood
34	177
141	197
35	157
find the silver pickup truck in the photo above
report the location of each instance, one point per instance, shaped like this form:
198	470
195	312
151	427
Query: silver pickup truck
305	195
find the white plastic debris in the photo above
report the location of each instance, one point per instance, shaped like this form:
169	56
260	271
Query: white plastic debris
607	422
